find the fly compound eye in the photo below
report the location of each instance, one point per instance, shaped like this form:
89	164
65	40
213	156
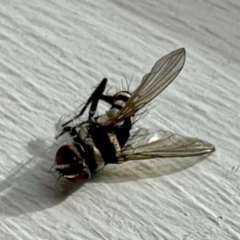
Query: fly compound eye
67	154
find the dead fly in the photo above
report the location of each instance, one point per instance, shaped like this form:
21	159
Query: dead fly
106	139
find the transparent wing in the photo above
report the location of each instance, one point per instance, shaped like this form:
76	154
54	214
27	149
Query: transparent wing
162	144
162	74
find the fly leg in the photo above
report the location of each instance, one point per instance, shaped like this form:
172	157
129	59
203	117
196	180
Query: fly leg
99	96
93	99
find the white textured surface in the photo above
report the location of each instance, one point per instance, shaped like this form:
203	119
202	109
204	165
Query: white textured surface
54	52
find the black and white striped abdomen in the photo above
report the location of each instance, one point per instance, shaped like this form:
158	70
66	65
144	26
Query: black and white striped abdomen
120	99
121	129
119	102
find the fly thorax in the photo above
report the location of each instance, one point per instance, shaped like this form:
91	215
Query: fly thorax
83	130
96	153
88	140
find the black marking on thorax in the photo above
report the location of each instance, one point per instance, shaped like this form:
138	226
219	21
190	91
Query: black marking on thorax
84	149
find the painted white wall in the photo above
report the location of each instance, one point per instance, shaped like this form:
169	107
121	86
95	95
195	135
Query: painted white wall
52	55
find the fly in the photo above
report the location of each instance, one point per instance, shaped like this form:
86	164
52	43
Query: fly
106	138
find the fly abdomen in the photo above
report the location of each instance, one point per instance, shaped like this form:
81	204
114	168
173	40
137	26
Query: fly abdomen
120	99
118	102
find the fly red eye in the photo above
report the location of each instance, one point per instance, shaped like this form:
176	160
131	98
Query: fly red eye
67	154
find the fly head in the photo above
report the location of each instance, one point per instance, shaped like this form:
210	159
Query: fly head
71	165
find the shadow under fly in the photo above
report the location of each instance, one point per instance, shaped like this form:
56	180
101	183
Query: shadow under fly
29	187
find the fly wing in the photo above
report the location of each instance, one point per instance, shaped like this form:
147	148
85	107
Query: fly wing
153	83
162	144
